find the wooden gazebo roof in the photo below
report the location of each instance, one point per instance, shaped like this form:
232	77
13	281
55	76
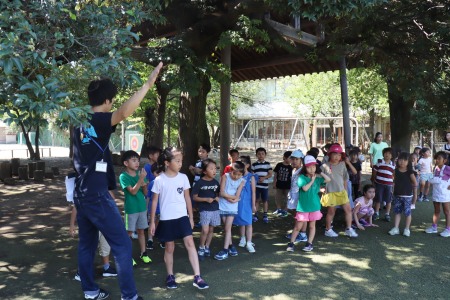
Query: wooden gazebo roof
250	65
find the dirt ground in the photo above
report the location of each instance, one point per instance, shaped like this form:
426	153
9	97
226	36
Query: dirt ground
38	257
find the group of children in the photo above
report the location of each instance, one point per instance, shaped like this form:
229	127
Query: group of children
158	197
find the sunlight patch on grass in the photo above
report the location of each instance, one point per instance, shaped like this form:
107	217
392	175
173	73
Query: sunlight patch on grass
34	241
5	229
400	260
267	274
62	209
38	268
332	259
8	268
37	227
278	297
351	277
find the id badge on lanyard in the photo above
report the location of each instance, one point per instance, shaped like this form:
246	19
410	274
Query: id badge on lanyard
100	166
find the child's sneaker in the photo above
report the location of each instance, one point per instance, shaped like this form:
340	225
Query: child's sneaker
431	229
149	245
144	257
162	245
77	277
232	251
200	283
110	272
223	254
134	262
277	212
308	248
387	217
242	242
413	206
290	247
134	235
425	199
376	216
394	231
406	232
330	233
250	247
255	218
445	233
201	252
265	219
283	214
301	237
207	252
420	198
102	294
170	282
350	232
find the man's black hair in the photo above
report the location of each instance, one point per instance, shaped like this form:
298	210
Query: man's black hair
101	90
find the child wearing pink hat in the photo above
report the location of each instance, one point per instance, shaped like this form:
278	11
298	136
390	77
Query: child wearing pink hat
336	190
308	206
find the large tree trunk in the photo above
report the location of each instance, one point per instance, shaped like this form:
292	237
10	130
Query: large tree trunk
155	119
193	129
27	140
400	117
37	154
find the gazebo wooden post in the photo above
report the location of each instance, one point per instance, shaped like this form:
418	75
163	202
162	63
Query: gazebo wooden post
225	91
344	97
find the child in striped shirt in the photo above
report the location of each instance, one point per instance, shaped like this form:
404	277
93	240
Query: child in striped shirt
383	179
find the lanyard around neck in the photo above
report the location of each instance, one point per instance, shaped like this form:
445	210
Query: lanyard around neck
92	139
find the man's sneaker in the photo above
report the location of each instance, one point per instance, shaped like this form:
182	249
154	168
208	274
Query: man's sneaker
301	237
134	262
265	219
330	233
394	231
242	242
350	232
290	247
376	216
277	212
149	245
102	294
431	229
200	283
255	218
445	233
201	252
77	277
110	272
413	206
250	247
134	236
232	251
223	254
145	258
170	282
283	214
406	232
387	217
162	245
309	247
207	252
